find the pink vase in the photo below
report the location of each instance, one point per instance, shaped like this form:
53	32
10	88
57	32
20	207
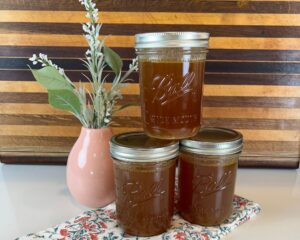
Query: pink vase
90	176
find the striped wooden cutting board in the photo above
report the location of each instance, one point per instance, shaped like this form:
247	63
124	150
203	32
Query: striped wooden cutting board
252	76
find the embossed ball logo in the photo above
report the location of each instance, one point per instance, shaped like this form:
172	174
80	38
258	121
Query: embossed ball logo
167	89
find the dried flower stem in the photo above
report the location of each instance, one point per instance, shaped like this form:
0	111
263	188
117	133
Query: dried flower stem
97	106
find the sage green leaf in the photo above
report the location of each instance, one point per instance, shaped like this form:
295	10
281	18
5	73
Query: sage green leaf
112	59
50	78
64	100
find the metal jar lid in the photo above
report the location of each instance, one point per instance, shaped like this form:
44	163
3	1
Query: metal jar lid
214	141
138	147
171	40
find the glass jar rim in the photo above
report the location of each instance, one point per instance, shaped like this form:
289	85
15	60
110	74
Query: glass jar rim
214	141
138	147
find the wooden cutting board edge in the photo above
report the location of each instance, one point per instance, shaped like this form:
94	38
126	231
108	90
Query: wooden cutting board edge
60	158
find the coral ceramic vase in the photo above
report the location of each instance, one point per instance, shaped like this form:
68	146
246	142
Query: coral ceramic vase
90	176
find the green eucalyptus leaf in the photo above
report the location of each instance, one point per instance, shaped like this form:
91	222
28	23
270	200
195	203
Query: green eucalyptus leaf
112	59
50	78
64	100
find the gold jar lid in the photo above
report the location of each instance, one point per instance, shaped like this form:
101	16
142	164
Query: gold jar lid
214	141
138	147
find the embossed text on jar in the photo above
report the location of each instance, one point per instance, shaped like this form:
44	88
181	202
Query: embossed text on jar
172	97
171	67
206	188
145	196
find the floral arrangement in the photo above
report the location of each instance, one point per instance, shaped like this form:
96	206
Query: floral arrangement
94	108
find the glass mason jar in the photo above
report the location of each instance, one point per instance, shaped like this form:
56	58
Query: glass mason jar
144	178
207	172
171	73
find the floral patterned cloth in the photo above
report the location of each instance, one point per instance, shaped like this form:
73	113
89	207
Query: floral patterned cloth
102	224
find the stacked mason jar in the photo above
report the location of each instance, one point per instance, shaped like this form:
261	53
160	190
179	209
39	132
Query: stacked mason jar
171	70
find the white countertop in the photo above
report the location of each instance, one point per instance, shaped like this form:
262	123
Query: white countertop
33	198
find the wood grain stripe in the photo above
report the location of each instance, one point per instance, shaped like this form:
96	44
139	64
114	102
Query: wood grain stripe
57	131
52	52
250	1
23	158
128	41
154	18
30	86
268	148
12	97
208	112
61	159
46	109
210	77
201	18
38	119
21	97
247	6
270	135
251	90
212	66
74	75
253	55
262	124
252	67
131	29
269	162
28	143
72	131
62	120
129	53
262	102
252	78
255	43
251	113
63	144
31	108
209	90
127	121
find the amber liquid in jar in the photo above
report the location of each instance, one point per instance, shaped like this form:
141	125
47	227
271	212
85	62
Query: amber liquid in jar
206	189
145	196
171	95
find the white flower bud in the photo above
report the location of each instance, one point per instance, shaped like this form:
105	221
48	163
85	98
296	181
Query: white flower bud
33	58
88	52
99	54
85	28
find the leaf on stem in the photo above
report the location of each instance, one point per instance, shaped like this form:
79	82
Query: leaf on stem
65	100
50	78
113	60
